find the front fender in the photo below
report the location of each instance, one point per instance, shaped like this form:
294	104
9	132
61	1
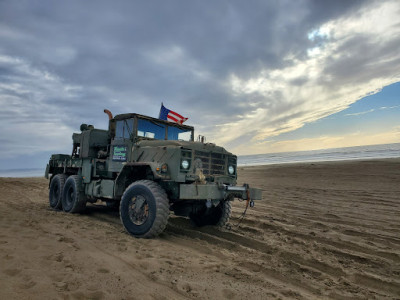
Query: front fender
134	171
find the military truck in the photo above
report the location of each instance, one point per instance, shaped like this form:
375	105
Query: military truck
147	167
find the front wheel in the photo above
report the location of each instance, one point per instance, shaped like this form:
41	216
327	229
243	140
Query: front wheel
216	215
144	209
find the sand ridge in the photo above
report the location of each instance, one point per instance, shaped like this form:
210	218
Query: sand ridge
323	231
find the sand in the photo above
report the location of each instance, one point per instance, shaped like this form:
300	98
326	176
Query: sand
322	231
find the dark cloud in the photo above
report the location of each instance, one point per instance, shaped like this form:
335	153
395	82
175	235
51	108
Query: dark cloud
323	11
373	59
63	62
98	43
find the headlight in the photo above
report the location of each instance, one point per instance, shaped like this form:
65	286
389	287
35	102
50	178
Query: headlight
231	170
185	164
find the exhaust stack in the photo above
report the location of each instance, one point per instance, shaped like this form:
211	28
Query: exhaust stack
110	116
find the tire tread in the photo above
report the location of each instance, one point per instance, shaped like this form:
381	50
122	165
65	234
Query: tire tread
62	178
226	214
79	205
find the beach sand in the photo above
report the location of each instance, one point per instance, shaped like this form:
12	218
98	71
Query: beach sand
322	231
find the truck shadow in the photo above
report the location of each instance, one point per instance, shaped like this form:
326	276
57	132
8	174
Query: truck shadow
101	212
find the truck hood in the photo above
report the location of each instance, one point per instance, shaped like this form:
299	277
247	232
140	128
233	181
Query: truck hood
209	147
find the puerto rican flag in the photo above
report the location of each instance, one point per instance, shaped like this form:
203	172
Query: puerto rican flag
171	116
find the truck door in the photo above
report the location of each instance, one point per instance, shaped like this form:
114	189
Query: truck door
121	145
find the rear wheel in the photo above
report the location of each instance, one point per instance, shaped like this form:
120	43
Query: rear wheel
73	200
144	209
216	215
55	191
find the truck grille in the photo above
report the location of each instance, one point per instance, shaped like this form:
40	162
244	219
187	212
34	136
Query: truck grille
213	163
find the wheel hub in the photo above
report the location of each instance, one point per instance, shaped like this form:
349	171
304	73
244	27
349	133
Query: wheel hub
138	210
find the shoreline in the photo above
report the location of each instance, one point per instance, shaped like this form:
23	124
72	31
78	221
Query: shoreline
342	161
322	161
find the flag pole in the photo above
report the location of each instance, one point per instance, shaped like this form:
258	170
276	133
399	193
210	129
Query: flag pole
159	115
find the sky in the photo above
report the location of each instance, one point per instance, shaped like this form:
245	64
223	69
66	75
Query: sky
252	76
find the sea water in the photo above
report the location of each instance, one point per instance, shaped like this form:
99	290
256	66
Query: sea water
22	173
337	154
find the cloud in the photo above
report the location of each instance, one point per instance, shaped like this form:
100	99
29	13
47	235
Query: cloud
40	110
361	113
355	56
390	107
243	73
358	138
32	115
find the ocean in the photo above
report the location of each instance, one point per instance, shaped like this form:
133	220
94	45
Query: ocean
22	172
337	154
334	154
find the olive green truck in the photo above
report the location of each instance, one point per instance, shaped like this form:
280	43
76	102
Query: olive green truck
147	167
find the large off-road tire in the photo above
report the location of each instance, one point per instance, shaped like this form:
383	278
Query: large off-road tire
144	209
55	191
216	215
73	200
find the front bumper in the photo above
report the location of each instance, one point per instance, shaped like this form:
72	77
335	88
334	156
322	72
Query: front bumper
213	191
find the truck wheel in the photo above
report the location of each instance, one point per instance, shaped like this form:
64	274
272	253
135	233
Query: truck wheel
217	215
73	201
56	189
144	209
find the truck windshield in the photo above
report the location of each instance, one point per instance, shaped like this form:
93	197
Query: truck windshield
158	131
175	133
151	130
